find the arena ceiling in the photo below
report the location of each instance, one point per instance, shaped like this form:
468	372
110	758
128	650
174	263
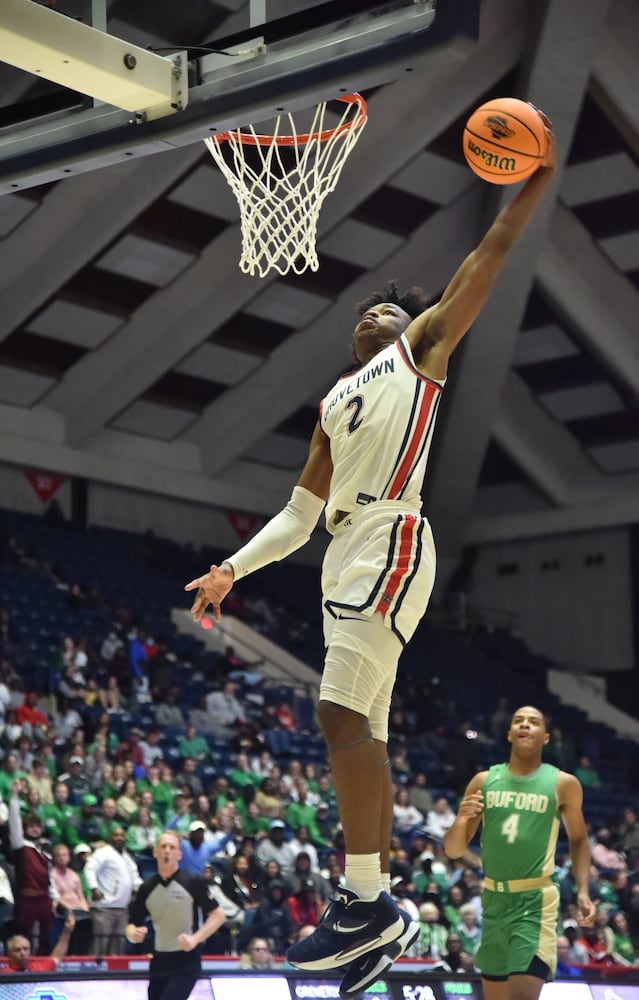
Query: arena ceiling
134	352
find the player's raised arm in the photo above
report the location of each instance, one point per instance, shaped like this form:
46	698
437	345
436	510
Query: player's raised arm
436	332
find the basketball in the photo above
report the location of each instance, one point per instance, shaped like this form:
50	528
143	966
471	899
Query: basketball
504	140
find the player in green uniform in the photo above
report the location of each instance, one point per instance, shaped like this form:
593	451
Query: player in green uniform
520	805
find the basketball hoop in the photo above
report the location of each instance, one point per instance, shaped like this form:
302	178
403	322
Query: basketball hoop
280	197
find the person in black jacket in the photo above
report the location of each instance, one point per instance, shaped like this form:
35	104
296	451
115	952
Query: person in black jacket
244	885
273	918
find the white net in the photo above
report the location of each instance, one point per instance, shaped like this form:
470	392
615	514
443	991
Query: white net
282	183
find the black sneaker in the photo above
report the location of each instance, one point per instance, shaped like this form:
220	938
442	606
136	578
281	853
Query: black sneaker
351	927
366	970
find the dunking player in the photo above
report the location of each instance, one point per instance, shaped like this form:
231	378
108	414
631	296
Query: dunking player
173	899
520	805
366	463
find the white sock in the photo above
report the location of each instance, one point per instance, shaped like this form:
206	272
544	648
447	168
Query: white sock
386	880
362	874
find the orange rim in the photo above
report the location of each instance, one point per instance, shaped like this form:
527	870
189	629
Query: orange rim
249	139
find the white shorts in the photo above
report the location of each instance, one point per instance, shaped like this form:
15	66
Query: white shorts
381	559
377	578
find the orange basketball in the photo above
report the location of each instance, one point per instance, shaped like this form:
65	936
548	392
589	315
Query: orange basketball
504	140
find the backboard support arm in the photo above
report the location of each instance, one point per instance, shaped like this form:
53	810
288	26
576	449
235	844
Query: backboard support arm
358	53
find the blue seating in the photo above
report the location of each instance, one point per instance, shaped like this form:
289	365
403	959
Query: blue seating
475	670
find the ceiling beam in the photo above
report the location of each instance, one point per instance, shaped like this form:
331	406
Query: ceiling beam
599	302
543	449
607	512
365	51
164	330
556	79
72	224
615	81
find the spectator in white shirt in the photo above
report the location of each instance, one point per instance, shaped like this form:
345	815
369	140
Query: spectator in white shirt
224	708
150	746
5	699
7	898
112	877
406	817
440	818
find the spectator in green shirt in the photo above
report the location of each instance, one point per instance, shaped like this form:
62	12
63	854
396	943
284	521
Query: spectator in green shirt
114	777
88	824
162	790
624	950
429	869
81	854
59	818
300	813
587	773
254	822
220	794
468	930
242	776
193	745
9	773
107	819
452	910
432	932
145	799
180	816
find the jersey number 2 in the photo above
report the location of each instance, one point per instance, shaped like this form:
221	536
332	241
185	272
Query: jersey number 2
356	404
510	827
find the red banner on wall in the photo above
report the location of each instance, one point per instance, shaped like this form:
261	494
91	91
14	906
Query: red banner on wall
243	524
45	484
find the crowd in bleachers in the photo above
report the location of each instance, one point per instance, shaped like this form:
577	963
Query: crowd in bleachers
114	727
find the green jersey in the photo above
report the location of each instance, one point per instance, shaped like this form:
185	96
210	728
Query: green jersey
520	823
60	823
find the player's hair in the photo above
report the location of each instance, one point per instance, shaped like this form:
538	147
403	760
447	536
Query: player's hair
546	718
413	301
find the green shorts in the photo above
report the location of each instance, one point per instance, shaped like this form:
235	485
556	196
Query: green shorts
519	933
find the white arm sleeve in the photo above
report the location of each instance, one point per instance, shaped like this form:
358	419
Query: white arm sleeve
283	534
16	835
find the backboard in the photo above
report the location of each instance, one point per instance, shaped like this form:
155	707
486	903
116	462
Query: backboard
267	55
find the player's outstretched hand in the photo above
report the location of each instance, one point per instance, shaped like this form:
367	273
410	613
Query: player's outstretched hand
211	588
550	158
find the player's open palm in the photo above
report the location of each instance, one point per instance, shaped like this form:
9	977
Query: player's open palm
211	588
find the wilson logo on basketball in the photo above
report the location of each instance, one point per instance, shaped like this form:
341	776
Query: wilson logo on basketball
496	160
498	127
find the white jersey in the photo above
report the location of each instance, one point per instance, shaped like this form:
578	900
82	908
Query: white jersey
380	421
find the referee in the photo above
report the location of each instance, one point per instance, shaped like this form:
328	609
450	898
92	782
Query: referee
173	899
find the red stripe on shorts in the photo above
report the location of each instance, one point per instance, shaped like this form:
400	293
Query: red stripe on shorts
401	566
